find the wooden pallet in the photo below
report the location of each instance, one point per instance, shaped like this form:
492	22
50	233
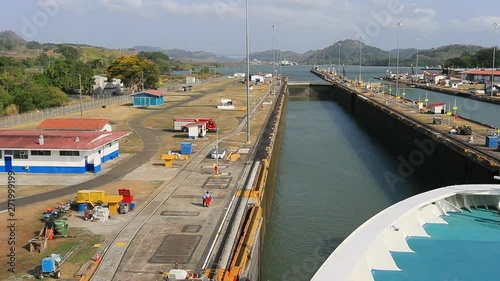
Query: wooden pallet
86	271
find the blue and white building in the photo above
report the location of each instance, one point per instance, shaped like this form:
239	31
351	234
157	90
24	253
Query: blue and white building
57	151
149	98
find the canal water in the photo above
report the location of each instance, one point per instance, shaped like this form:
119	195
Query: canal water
331	178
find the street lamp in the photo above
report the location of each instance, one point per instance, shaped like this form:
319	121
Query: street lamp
397	65
280	57
339	56
80	80
274	58
389	64
494	50
247	47
416	71
360	45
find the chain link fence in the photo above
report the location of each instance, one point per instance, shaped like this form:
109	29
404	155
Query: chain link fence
76	106
33	116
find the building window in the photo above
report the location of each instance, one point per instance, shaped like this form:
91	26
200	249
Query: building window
69	153
8	152
20	154
0	154
40	153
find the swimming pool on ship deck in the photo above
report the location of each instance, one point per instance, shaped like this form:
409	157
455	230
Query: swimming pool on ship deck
467	248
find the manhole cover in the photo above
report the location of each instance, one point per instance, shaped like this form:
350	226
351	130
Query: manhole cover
243	150
191	228
217	182
179	213
176	248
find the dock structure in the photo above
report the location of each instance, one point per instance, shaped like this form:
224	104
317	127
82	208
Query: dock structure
174	230
476	146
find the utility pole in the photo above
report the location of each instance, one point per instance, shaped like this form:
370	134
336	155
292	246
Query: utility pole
360	45
416	67
80	80
494	49
274	60
338	71
142	80
247	47
397	66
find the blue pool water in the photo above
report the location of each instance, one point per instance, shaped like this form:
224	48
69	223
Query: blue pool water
467	248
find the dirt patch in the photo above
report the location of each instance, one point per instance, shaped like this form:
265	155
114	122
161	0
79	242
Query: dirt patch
82	236
26	190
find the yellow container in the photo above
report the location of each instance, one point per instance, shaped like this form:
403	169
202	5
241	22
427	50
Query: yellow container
90	196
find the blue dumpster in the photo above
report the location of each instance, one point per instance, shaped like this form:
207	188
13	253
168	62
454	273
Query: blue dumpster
186	148
491	141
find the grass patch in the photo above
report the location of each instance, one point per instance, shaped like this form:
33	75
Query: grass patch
80	242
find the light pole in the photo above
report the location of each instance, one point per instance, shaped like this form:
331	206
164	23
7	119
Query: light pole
416	70
494	50
247	47
397	65
280	57
390	47
339	56
80	80
274	58
360	45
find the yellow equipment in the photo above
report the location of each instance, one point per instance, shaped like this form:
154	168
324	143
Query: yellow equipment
95	197
169	158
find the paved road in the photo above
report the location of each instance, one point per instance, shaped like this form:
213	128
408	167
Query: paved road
150	148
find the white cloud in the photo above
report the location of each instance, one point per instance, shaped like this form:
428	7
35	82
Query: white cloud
181	7
480	23
426	12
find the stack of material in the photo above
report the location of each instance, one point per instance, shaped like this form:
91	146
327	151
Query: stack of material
100	214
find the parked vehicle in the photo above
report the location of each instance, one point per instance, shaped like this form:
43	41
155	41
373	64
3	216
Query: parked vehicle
180	123
218	154
51	267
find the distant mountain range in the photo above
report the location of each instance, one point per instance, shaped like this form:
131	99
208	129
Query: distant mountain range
11	44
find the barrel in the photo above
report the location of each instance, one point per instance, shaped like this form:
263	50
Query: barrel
132	206
82	208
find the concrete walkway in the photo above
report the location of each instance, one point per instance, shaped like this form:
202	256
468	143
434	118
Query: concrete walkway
174	226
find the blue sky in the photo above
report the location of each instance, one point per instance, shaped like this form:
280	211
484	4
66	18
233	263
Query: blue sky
219	25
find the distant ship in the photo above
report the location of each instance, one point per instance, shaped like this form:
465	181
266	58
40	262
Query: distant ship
288	63
450	233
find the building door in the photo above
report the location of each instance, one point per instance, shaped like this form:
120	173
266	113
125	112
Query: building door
88	168
8	163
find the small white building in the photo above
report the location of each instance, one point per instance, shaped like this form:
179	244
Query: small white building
75	124
239	75
455	83
107	88
258	78
197	130
437	107
190	80
57	152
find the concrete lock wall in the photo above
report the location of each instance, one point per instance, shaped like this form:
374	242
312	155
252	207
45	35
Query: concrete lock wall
434	161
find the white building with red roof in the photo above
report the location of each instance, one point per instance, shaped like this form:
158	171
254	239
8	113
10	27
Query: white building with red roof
149	98
481	75
57	151
437	107
75	124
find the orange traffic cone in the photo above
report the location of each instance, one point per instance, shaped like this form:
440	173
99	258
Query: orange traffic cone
97	258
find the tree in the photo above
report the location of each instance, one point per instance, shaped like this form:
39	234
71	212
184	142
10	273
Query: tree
68	52
64	74
162	61
134	71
